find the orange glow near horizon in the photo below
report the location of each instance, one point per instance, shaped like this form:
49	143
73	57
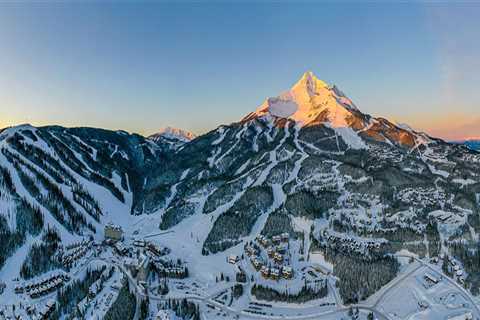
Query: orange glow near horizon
450	127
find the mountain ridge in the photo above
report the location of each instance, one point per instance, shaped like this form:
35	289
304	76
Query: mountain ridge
265	174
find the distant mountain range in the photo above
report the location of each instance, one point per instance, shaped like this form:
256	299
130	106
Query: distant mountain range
172	137
473	144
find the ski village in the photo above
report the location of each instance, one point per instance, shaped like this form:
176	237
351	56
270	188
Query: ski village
304	209
267	278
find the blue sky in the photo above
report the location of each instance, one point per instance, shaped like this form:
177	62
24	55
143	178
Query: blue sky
144	66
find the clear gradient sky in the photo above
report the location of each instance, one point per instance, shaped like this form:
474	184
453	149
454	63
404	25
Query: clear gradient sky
140	67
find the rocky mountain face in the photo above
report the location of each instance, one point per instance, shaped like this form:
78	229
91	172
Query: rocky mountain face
308	154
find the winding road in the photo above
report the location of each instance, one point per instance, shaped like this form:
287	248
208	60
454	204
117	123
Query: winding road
141	294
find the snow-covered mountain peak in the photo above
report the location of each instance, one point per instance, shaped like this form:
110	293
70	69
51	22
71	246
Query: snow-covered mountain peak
172	138
175	133
308	84
311	100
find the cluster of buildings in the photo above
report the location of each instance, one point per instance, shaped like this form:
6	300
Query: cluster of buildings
275	240
120	248
75	253
138	267
456	270
177	272
381	153
114	236
448	217
42	287
152	249
422	196
346	243
276	273
276	248
31	310
471	157
151	259
142	266
329	182
47	310
353	200
453	266
78	244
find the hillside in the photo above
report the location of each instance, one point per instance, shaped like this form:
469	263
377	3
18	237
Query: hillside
341	183
327	150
